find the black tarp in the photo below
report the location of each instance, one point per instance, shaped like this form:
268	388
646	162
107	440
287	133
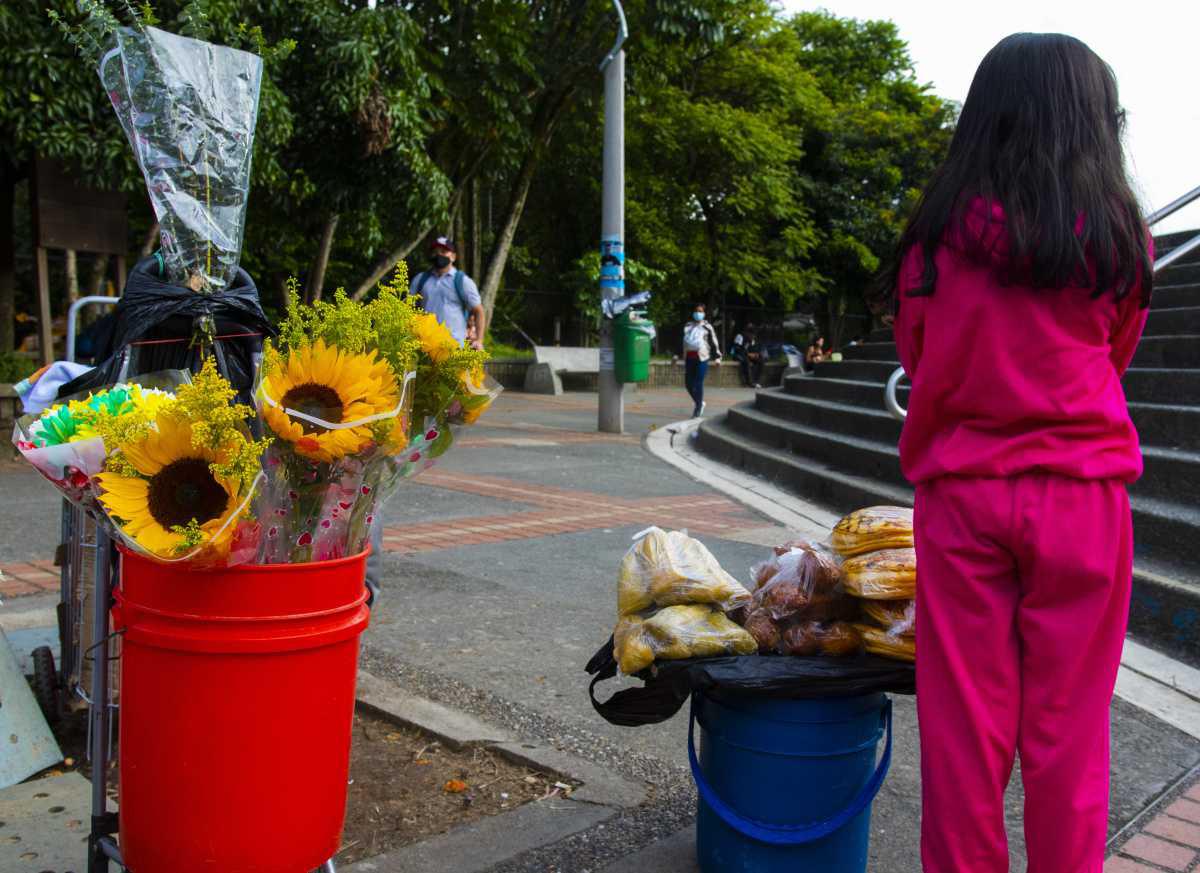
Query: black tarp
155	324
668	684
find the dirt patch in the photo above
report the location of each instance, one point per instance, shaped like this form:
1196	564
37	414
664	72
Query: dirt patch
407	787
404	785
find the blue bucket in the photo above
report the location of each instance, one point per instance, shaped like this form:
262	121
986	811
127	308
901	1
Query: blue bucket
786	785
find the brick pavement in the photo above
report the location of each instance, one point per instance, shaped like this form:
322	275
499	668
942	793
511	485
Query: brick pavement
28	577
1169	841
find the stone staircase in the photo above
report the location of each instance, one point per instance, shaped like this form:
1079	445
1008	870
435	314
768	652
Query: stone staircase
828	438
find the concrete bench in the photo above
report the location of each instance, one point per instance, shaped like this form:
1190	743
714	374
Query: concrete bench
551	363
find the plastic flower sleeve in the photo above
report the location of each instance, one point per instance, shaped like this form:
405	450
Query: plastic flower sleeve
323	474
189	110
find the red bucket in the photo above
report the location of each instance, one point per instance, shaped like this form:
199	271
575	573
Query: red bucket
237	704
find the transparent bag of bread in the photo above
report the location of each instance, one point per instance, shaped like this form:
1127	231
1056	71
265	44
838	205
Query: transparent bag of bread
890	574
819	560
835	638
670	568
872	529
676	633
804	580
898	618
880	642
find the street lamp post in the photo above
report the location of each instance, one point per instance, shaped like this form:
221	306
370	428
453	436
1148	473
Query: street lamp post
612	226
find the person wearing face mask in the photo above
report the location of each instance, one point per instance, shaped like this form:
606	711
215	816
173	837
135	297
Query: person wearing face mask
450	294
700	346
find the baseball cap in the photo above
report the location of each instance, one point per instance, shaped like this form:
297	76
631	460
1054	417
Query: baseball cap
443	242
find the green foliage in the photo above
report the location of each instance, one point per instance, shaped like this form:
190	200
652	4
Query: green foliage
14	368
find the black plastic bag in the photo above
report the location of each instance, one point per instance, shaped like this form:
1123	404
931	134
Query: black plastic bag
158	326
668	684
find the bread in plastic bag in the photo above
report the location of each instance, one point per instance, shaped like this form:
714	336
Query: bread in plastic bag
872	529
803	581
896	617
880	642
670	568
675	633
890	574
836	639
798	559
765	630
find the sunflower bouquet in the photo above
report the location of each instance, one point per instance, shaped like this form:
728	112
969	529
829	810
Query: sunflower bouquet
63	443
170	472
358	397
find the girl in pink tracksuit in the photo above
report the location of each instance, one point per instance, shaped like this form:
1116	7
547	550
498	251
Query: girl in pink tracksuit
1019	295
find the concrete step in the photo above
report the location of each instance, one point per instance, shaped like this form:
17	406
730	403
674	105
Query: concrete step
1166	242
1163	385
1170	474
1175	321
1172	289
858	371
855	455
1166	425
873	351
834	489
843	419
1170	351
864	394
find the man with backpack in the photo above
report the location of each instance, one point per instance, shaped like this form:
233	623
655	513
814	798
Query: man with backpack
450	294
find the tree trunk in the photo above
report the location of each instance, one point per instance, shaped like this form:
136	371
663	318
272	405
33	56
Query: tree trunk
385	264
8	277
72	276
99	271
508	231
152	241
316	282
476	229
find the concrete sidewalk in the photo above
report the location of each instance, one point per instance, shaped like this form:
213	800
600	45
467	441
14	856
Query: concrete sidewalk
500	584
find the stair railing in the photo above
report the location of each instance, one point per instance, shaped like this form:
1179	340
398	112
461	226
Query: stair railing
892	404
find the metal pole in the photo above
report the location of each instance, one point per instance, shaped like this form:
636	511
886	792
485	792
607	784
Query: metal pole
612	227
98	708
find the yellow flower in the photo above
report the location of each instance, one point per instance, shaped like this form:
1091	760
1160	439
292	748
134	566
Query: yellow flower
436	339
326	383
171	485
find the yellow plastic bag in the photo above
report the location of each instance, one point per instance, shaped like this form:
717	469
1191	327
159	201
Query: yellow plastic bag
895	617
890	574
872	529
675	633
880	642
671	568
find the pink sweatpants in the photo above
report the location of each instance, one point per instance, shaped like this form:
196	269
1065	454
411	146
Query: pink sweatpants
1022	602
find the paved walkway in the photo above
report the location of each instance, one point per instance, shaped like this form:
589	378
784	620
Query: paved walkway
500	584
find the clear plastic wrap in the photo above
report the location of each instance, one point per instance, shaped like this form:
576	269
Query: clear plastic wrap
677	633
889	574
164	464
836	639
670	568
189	110
897	618
872	529
880	642
795	580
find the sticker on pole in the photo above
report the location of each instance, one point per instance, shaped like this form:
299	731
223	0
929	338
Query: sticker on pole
607	360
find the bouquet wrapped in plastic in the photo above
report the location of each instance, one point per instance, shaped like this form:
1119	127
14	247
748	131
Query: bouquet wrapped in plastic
189	110
358	397
170	471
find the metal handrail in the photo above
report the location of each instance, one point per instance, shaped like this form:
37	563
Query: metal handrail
892	405
1171	208
72	314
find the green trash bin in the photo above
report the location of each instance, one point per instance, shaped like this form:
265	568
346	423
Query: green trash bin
632	337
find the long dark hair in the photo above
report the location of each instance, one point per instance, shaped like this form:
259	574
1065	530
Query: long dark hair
1039	135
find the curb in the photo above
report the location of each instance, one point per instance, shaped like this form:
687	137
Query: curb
671	443
481	845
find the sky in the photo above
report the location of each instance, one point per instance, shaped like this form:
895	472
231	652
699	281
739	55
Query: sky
1151	47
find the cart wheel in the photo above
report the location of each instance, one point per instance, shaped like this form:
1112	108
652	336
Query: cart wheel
45	683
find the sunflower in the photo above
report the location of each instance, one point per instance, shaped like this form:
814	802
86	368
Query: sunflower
173	500
436	339
335	386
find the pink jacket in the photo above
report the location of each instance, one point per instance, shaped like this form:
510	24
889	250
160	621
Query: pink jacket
1009	380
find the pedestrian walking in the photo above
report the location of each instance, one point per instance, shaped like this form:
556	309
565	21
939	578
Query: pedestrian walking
1020	290
451	294
700	347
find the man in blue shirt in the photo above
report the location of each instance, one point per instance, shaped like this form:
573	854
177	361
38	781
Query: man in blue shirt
450	294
